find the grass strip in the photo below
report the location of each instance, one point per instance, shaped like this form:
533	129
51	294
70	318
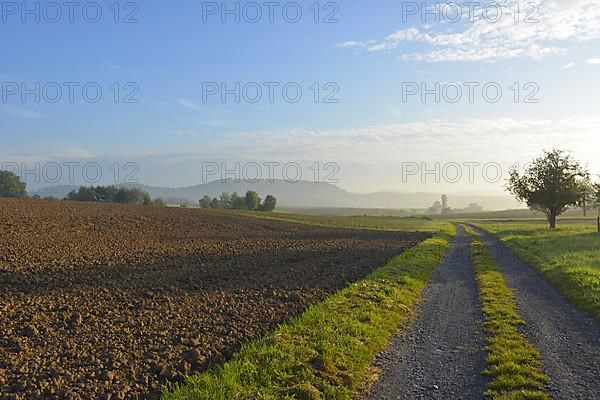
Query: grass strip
326	352
568	258
513	362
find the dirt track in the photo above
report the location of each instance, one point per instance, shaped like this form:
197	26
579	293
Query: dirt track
442	355
107	301
567	339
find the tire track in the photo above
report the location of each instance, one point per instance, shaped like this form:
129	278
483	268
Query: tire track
442	356
567	338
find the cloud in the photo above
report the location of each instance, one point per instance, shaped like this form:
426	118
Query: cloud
189	104
476	38
593	61
507	139
382	148
569	65
21	112
356	44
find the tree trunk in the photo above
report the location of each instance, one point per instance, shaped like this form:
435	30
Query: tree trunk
552	219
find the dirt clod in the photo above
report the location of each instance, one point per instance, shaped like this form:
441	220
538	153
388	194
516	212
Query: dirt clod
30	331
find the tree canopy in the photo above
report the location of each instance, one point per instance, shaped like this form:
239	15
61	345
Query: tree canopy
551	184
110	194
251	201
269	204
11	185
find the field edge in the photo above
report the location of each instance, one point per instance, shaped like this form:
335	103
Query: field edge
327	351
578	291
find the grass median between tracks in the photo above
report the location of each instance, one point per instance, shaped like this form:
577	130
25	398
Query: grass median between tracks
513	362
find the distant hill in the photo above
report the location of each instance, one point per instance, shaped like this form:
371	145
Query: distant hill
305	194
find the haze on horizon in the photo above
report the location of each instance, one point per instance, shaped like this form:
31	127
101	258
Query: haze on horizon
178	88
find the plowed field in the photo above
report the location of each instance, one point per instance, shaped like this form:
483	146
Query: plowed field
109	302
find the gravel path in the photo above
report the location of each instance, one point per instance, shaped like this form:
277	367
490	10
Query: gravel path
442	356
568	339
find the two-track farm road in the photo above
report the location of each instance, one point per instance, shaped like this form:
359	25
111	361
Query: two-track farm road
442	355
567	338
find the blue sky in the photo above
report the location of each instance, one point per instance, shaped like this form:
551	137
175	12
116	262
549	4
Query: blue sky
368	55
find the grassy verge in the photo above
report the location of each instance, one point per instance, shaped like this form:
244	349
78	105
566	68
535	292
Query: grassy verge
513	362
326	352
568	258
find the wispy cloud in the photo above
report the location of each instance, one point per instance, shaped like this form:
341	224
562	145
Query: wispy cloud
568	66
189	104
593	61
428	140
21	112
356	44
558	23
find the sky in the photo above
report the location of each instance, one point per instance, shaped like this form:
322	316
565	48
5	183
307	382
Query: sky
361	94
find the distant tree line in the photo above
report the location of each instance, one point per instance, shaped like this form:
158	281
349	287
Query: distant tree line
112	194
236	202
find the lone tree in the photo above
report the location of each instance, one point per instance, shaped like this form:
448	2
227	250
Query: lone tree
11	185
550	184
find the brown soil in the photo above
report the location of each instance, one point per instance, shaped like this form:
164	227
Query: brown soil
110	302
